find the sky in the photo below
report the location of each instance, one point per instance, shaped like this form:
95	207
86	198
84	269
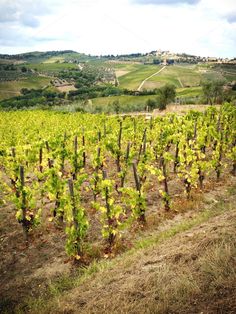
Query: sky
100	27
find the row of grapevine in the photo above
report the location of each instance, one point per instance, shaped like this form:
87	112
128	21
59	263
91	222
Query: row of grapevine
78	161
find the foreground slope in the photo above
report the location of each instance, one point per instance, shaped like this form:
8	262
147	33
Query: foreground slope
186	266
192	273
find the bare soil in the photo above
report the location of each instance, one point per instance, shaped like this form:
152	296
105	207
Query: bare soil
121	72
66	88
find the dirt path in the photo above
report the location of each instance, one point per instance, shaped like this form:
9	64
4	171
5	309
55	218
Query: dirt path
180	82
143	82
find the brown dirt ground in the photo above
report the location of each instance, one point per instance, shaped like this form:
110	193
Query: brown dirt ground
66	88
121	72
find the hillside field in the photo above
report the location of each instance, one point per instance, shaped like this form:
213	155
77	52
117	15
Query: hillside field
92	205
135	74
182	76
10	89
36	70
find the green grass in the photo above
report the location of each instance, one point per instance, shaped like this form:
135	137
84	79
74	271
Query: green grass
50	68
228	71
12	88
175	75
187	75
213	75
129	66
124	100
182	226
138	73
189	92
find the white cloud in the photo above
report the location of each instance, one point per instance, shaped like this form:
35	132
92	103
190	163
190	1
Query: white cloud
113	27
166	2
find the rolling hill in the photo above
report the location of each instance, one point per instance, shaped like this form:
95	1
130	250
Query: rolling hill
35	70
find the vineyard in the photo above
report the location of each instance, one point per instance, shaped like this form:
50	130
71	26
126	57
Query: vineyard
97	176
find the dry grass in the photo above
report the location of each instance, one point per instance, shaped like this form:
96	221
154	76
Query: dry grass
189	272
66	88
182	109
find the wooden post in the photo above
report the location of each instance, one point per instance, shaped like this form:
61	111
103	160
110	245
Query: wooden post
126	164
135	130
99	136
74	214
72	195
136	178
111	236
40	159
96	173
75	158
23	204
195	130
104	129
50	161
142	218
176	162
119	149
165	184
144	140
63	156
13	150
84	153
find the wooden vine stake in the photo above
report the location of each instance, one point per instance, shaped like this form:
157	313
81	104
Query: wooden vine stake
74	214
14	177
40	159
126	164
142	148
84	153
50	161
165	185
176	161
23	221
98	167
135	131
141	210
119	149
63	155
111	236
75	161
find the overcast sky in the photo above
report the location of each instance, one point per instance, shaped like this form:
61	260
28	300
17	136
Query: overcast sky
200	27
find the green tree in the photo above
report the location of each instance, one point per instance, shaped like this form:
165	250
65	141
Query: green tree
151	104
116	106
213	91
24	69
166	95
